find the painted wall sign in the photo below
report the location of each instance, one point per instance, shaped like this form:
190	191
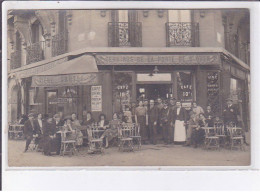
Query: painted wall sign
96	98
35	70
64	80
213	90
212	59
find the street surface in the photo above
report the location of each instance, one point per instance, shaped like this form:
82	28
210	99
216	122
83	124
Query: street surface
149	155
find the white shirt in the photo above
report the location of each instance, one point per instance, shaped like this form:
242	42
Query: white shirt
40	123
102	123
178	111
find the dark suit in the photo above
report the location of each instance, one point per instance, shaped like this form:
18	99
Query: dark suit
57	143
49	129
28	132
230	114
153	117
209	118
39	132
182	115
89	122
165	123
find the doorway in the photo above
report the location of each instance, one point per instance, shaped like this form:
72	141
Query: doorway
154	91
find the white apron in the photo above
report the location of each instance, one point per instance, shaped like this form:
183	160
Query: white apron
179	131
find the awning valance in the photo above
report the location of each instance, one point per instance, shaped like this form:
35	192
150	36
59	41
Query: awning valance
80	71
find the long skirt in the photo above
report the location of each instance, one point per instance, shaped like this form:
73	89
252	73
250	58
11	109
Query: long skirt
110	134
143	130
180	131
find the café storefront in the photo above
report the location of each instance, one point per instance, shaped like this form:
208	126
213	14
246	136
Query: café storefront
107	82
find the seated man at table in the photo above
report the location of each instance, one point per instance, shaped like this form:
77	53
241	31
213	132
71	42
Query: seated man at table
197	136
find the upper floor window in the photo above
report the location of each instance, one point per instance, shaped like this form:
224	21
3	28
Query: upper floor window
60	40
124	30
35	50
180	30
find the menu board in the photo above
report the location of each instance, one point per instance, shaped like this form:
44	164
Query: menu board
96	98
213	90
184	86
212	84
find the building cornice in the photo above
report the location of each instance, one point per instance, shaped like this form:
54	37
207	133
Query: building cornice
136	50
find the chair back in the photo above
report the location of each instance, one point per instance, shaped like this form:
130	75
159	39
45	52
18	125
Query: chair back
210	131
219	126
93	132
126	130
235	131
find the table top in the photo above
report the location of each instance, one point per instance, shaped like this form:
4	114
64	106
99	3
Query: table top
64	131
17	125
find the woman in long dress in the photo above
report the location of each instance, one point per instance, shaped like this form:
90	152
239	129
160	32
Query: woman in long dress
141	119
179	122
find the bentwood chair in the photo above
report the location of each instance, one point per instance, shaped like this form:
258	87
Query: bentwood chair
125	138
220	130
236	137
94	139
67	145
136	135
211	138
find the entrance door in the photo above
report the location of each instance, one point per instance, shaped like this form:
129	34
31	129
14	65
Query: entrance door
154	91
51	102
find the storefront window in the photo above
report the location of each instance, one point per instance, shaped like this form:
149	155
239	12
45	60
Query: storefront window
68	100
122	90
64	99
184	86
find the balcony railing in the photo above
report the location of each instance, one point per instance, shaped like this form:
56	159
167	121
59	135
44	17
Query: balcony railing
35	52
124	34
184	34
16	59
59	44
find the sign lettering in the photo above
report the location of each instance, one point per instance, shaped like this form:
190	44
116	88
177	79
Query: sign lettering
212	59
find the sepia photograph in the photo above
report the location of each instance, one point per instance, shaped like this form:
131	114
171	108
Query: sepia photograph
128	87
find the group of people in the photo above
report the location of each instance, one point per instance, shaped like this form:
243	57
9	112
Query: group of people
43	129
169	121
162	120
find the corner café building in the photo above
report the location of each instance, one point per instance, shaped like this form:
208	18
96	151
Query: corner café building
105	80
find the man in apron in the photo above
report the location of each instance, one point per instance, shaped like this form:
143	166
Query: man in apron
178	118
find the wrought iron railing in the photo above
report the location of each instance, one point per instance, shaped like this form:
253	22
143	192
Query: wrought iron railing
16	59
59	44
185	34
35	52
124	34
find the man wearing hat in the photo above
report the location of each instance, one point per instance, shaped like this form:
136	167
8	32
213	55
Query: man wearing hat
29	130
165	123
230	113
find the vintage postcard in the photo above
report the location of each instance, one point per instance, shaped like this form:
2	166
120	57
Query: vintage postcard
128	87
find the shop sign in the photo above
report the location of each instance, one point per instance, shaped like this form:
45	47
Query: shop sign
33	71
206	59
59	101
96	98
64	80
